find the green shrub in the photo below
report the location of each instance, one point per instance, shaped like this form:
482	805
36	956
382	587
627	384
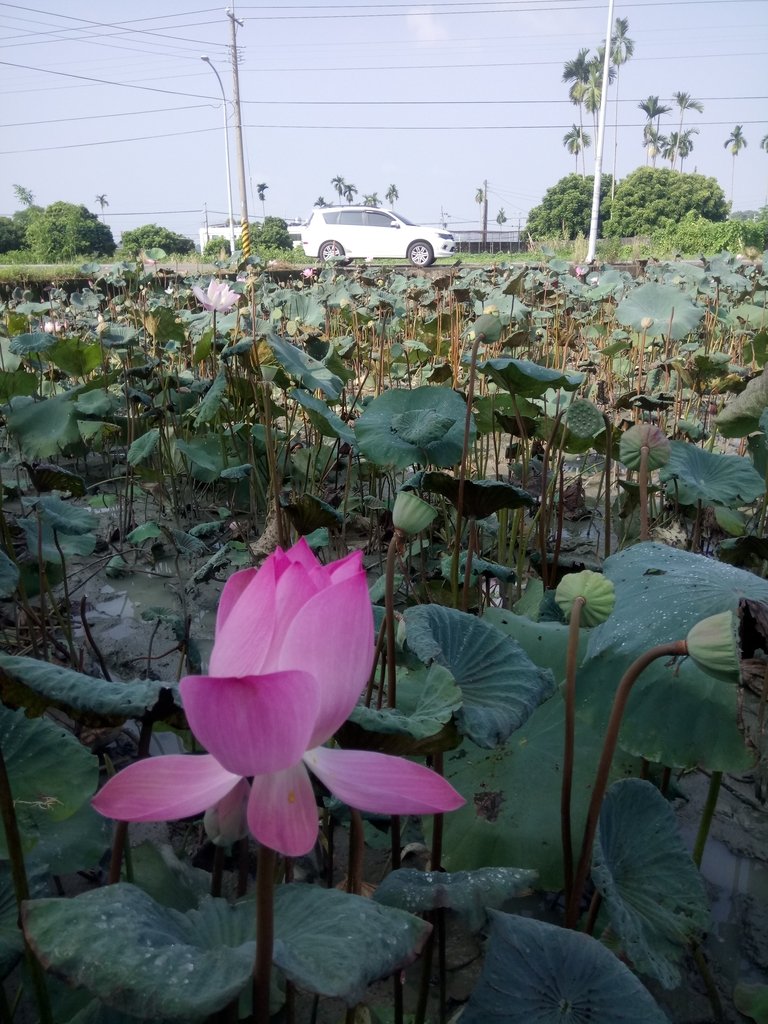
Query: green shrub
694	235
152	236
215	246
651	198
63	230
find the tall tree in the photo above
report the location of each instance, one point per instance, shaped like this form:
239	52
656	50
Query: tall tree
320	201
371	199
339	184
392	195
685	145
102	201
653	109
501	217
261	190
593	90
576	72
654	143
685	102
350	191
576	141
622	49
669	147
734	144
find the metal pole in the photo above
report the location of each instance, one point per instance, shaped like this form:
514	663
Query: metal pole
600	140
246	238
226	154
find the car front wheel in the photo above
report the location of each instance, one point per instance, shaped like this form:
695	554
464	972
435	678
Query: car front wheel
421	254
330	250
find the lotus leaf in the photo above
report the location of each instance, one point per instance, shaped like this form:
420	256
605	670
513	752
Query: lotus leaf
537	973
741	415
312	373
481	497
522	377
693	474
653	891
325	420
659	310
421	426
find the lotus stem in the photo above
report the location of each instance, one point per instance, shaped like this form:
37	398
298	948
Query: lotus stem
471	546
389	611
480	336
21	887
643	484
356	853
673	649
706	817
608	472
571	656
265	933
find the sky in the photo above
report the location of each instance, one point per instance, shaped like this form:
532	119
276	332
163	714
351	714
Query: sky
110	98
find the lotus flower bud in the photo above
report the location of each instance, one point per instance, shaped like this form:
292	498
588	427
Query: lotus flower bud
644	435
597	591
713	645
411	514
646	323
226	822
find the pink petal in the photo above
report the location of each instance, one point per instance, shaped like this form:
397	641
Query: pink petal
282	813
346	567
253	724
245	623
332	637
165	788
302	553
201	296
382	784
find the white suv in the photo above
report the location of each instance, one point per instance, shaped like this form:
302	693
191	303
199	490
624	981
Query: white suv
367	232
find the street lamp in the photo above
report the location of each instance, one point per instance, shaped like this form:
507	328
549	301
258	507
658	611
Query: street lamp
226	152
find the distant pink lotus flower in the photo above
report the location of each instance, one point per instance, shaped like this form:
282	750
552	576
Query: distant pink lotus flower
219	297
308	272
293	650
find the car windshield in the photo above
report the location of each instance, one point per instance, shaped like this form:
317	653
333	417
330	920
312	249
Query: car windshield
405	220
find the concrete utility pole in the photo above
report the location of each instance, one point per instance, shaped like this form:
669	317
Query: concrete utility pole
246	237
592	246
485	213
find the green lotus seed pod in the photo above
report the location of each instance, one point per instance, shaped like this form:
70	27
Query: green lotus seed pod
713	645
411	514
597	591
644	435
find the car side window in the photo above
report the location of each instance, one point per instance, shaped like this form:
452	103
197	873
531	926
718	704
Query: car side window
378	220
351	217
331	217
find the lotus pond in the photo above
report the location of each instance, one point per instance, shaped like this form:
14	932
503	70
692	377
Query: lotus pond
483	738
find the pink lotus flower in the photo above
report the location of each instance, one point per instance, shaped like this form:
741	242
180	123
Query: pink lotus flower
293	650
219	296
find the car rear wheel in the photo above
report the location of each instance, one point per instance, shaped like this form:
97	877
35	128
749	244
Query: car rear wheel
330	250
421	254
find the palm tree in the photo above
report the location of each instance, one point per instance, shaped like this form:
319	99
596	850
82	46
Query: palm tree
501	217
350	191
24	195
685	102
320	201
653	110
261	189
576	72
622	49
669	147
593	89
685	145
734	144
576	141
392	195
372	199
654	143
339	184
102	201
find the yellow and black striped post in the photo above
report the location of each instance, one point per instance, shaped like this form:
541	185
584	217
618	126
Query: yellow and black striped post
245	239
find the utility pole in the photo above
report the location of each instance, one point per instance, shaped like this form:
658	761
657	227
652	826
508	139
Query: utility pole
246	237
592	244
485	213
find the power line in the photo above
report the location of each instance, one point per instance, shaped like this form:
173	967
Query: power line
454	103
114	142
96	117
104	81
509	10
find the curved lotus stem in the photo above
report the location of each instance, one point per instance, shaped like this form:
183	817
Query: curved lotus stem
643	483
568	746
674	649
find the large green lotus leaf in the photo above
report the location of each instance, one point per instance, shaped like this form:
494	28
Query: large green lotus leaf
481	497
650	308
500	685
676	715
45	428
85	698
17	382
752	1001
77	843
174	883
741	415
545	643
693	474
302	307
11	939
512	813
212	400
522	377
537	973
51	774
41	537
63	516
322	418
653	891
143	446
205	456
26	344
423	425
312	373
75	356
471	894
170	964
9	575
97	1012
426	698
749	313
335	944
